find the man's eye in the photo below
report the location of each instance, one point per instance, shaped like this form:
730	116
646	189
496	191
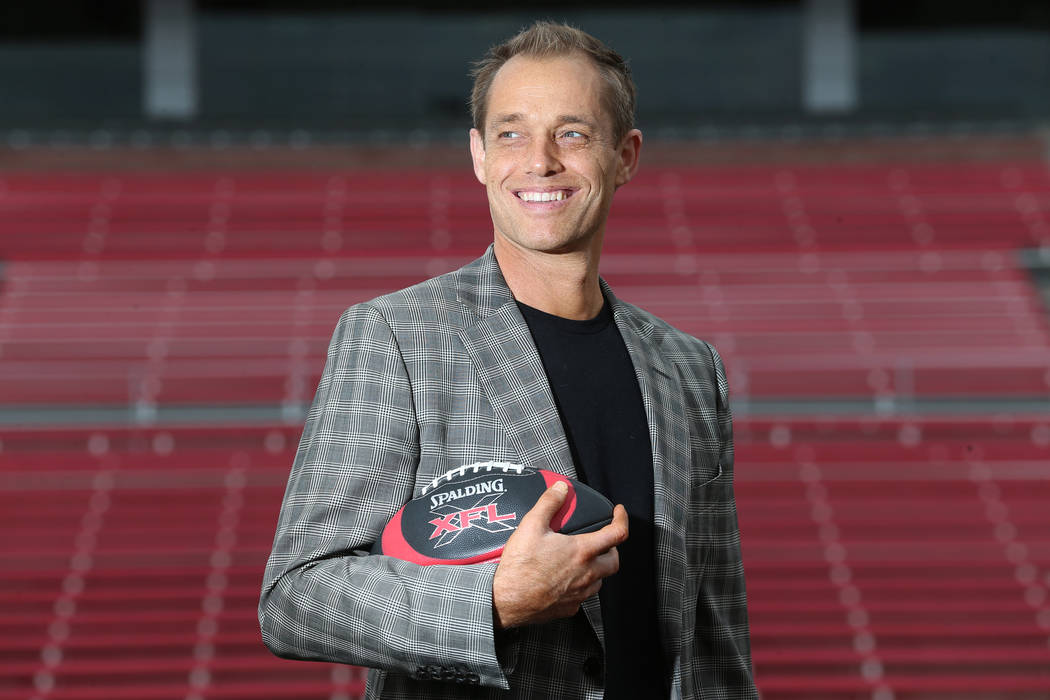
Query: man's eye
509	134
572	134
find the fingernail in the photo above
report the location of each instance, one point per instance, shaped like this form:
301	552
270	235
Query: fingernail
561	487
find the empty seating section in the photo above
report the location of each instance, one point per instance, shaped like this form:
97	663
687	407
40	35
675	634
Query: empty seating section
136	568
902	557
846	325
911	554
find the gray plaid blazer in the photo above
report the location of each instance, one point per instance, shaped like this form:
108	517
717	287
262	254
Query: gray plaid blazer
446	373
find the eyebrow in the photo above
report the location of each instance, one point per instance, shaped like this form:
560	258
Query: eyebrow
517	117
574	119
507	119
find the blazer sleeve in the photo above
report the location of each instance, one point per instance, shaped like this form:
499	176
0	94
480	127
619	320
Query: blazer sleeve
323	596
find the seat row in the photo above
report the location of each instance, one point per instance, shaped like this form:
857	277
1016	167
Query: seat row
803	207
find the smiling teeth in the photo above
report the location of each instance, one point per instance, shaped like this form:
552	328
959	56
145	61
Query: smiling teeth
542	196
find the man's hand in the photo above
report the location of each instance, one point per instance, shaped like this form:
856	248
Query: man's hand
544	575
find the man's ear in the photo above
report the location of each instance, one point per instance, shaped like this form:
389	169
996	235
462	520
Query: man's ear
477	154
630	152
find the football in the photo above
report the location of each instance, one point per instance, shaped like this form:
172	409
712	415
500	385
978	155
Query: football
467	514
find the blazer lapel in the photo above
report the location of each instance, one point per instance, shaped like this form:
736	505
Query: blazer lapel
513	379
510	370
665	409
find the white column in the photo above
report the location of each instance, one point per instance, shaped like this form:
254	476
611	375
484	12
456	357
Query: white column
169	59
829	72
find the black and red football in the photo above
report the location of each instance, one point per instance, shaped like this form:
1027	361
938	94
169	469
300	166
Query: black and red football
467	514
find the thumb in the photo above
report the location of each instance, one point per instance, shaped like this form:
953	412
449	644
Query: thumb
547	505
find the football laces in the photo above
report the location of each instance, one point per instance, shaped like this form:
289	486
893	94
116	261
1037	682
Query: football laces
489	466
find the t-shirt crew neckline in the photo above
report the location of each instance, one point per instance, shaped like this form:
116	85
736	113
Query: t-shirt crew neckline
569	325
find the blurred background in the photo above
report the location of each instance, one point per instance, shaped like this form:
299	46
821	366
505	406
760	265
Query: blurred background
849	198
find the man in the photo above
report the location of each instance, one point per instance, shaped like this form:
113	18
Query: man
524	355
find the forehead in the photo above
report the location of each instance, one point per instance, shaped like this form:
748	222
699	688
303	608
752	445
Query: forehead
535	88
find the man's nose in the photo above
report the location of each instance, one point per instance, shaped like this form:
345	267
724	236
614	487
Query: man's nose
543	158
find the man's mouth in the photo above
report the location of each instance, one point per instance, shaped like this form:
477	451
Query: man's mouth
545	196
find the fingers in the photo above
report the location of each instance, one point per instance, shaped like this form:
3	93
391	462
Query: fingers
546	506
620	519
609	536
606	563
544	575
600	568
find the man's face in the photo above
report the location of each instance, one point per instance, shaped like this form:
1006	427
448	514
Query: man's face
547	158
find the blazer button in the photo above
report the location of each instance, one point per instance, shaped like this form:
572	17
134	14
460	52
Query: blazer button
593	666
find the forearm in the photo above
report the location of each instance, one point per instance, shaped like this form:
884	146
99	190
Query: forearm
384	613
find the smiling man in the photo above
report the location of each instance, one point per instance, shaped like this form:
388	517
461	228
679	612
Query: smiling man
525	356
550	157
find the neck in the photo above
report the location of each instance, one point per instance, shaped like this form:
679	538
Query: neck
563	284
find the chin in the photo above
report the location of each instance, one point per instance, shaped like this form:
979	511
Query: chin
554	241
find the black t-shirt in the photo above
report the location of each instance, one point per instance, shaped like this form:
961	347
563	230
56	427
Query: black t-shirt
596	391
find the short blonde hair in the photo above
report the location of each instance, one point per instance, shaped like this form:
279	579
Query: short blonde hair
546	39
